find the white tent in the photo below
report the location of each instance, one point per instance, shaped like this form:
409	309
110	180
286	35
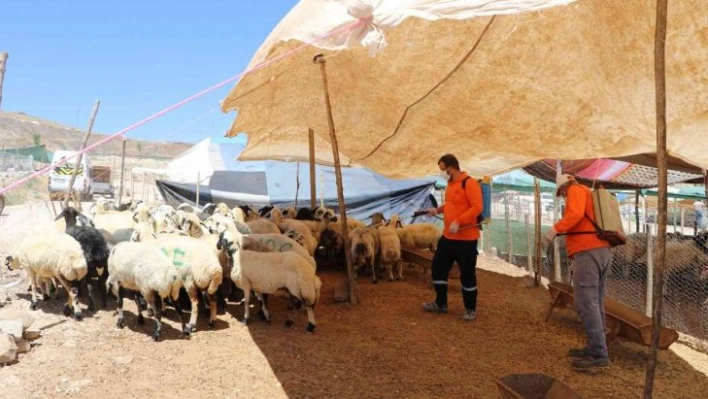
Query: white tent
202	160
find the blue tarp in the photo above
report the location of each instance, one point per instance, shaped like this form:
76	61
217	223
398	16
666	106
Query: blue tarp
260	183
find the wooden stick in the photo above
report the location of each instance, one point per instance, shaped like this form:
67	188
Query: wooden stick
659	252
537	232
319	59
3	60
313	182
87	173
297	183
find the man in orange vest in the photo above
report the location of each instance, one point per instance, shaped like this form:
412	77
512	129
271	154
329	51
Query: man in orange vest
592	259
463	204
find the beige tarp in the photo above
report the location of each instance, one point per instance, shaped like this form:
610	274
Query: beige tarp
569	82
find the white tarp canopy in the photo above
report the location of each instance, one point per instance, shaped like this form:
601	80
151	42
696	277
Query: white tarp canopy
499	83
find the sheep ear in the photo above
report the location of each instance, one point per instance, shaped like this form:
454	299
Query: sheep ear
60	215
398	224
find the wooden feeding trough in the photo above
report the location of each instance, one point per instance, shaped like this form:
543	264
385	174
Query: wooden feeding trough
534	386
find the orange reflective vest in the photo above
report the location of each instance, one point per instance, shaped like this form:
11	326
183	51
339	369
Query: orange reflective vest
462	206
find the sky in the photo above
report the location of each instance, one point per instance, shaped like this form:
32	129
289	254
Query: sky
136	57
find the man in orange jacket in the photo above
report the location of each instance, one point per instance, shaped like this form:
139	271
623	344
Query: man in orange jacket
592	259
463	204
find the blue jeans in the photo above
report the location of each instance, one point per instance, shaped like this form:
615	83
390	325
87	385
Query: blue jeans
590	270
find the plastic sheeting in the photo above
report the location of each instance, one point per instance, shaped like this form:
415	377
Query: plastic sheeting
365	193
572	81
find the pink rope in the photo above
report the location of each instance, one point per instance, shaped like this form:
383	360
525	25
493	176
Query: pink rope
346	28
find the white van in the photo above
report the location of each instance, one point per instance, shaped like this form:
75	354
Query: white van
60	175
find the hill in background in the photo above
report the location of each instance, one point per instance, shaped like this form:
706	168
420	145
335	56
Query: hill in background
19	130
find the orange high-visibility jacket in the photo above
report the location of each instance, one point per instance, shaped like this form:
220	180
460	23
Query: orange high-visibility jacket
578	203
463	206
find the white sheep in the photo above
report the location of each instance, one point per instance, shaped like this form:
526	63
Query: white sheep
46	253
300	227
419	235
199	269
390	251
144	269
267	272
238	215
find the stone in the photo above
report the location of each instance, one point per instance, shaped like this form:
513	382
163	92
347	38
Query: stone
12	327
14	314
122	360
31	333
22	346
8	348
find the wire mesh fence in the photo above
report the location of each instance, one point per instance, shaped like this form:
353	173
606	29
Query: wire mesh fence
11	163
511	237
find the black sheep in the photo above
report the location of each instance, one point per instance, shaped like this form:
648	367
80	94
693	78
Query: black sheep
305	214
96	253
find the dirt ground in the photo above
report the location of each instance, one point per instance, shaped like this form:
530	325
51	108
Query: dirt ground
385	347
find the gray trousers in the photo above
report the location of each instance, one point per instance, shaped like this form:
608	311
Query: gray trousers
590	270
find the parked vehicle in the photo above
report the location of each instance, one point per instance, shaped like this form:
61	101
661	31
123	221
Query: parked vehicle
60	176
101	181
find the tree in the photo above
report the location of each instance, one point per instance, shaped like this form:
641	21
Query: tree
37	138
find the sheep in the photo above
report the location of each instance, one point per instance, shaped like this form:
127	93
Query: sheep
47	253
305	214
390	251
420	235
199	269
218	223
249	213
377	219
364	249
96	252
395	221
279	243
265	211
263	226
289	212
144	269
322	212
193	226
116	223
222	209
99	207
333	245
299	226
266	273
238	215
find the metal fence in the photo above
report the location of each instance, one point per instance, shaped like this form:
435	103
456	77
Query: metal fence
685	305
11	163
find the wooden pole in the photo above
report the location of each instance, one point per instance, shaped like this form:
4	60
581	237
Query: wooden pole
87	173
556	276
313	182
297	183
636	209
537	232
319	59
122	172
196	201
3	60
659	253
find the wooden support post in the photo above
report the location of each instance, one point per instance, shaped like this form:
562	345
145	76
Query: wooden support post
313	182
196	201
3	60
556	276
661	164
319	59
529	248
87	173
537	232
297	183
122	171
636	210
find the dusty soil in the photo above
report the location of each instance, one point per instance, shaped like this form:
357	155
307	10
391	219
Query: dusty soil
384	347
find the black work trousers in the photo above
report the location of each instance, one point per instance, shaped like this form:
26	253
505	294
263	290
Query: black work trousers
465	254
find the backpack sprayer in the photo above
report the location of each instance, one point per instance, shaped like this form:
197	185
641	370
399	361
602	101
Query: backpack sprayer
486	216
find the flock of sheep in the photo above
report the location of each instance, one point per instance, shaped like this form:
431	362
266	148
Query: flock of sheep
186	257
